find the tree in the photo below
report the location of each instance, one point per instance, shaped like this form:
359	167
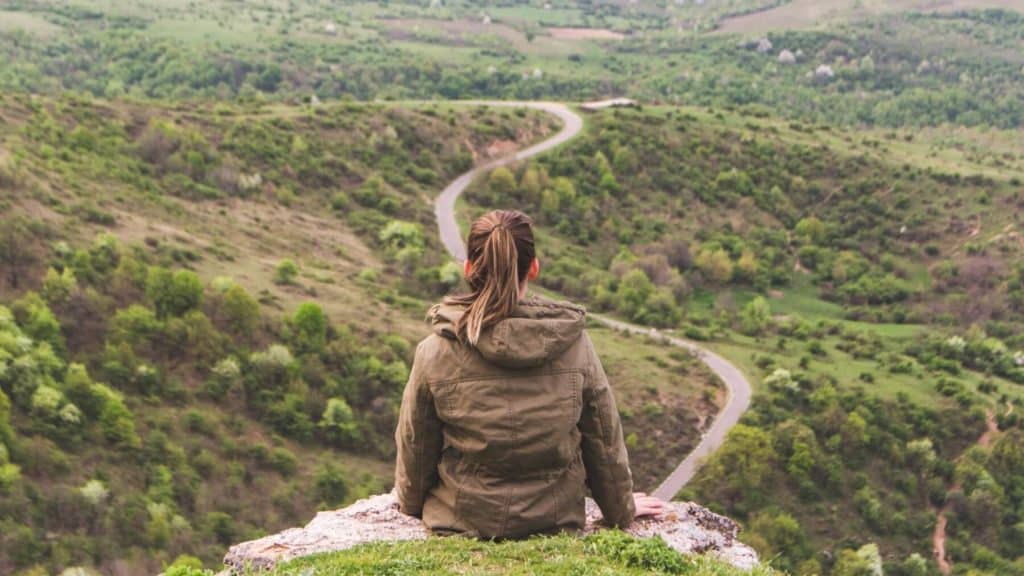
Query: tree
865	561
241	311
715	265
756	316
309	324
746	266
173	293
811	229
59	286
16	252
339	422
38	321
1007	461
634	290
116	421
854	432
741	467
921	456
330	483
404	242
530	184
6	432
784	538
502	183
79	388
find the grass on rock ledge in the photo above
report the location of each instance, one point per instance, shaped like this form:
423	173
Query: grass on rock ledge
605	553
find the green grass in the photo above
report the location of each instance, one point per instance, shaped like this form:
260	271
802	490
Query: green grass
847	370
30	23
607	553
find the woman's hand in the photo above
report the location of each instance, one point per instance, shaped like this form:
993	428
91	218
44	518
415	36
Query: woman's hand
647	506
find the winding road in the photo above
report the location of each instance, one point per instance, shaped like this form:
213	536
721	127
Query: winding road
737	386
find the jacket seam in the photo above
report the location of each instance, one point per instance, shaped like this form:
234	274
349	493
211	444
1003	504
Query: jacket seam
459	380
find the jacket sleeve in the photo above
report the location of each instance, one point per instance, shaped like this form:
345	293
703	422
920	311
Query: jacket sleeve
604	452
418	439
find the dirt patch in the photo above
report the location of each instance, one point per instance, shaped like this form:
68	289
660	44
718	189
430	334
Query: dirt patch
457	32
584	34
939	535
500	148
806	14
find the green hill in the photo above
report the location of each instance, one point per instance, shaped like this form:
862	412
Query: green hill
869	293
207	315
210	281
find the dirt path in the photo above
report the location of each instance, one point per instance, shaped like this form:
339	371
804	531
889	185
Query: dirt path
939	535
737	386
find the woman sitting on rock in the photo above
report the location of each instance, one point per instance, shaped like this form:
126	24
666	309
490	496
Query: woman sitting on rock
507	417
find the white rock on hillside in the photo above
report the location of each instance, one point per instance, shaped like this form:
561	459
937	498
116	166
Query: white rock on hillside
686	527
824	72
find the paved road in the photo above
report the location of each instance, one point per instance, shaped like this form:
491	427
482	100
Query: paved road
736	384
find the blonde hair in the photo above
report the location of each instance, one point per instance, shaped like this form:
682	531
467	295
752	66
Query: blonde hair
500	248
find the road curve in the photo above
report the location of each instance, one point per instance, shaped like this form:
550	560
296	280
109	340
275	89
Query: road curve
737	386
444	205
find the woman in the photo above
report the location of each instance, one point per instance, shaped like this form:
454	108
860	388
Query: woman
507	415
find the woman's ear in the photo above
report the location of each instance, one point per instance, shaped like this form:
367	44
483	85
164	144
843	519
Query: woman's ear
534	270
467	268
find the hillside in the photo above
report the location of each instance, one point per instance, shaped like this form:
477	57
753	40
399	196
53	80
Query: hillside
217	245
868	292
204	306
860	63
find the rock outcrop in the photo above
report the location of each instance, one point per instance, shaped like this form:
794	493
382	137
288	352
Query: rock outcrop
686	527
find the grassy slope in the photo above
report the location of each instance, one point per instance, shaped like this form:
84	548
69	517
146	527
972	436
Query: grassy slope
105	186
862	369
605	554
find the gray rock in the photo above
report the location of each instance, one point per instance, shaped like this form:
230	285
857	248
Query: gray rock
824	72
686	527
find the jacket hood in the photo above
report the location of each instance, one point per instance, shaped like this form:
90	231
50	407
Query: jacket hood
537	331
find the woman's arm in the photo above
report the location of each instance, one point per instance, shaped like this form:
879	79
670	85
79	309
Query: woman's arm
604	451
419	441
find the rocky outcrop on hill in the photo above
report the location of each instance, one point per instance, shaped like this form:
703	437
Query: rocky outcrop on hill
686	527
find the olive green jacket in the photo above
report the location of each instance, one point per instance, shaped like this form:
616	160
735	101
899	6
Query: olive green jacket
501	440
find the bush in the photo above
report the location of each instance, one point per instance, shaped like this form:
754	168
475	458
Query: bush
309	325
286	272
173	294
331	486
221	526
282	460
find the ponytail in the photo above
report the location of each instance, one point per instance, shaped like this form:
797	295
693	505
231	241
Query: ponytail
501	249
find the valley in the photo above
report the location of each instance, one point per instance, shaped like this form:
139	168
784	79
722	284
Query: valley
218	243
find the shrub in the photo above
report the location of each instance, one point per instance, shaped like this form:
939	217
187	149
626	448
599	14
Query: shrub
286	272
284	461
309	324
331	486
94	492
241	311
339	422
116	421
173	294
221	526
